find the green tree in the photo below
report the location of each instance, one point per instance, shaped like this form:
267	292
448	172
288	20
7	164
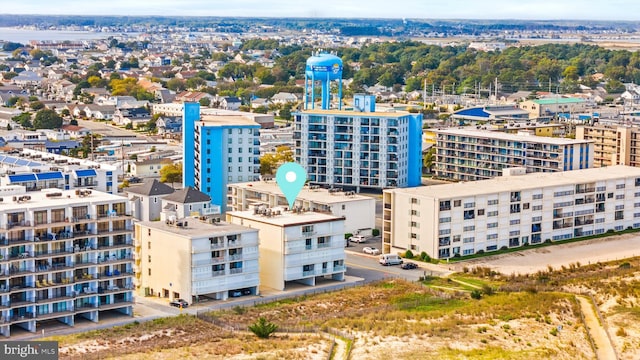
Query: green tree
9	75
205	101
427	160
270	162
36	105
24	120
285	112
47	119
171	173
263	328
73	122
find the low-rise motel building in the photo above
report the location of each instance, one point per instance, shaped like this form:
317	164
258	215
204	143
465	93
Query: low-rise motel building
510	211
359	211
295	246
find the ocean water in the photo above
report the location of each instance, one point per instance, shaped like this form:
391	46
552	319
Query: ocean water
24	36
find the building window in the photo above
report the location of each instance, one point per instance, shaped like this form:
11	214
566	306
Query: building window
525	206
456	238
149	271
414	212
514	222
469	205
414	224
480	212
515	208
445	205
619	215
456	203
444	220
493	202
414	201
515	196
149	259
469	214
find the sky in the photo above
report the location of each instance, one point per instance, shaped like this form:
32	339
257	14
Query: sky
424	9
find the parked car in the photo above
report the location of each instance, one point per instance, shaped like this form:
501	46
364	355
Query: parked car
357	239
235	293
409	266
371	250
179	303
135	180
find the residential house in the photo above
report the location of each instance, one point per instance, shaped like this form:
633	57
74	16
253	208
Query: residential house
229	103
146	199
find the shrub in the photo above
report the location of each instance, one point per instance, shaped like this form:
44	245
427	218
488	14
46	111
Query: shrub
625	265
554	332
487	290
263	328
408	254
375	232
504	248
476	294
621	332
239	310
425	257
480	252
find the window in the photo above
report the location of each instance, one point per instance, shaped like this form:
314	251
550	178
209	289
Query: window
414	212
149	271
149	243
480	212
514	222
444	241
619	196
414	236
492	236
492	213
537	207
619	215
344	206
414	224
444	231
469	205
444	220
456	203
537	196
525	206
414	201
620	186
493	202
307	244
456	238
515	208
469	239
469	228
469	214
445	205
492	225
515	196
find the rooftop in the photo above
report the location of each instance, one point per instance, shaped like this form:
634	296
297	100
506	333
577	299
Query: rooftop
512	137
319	195
286	218
389	114
51	198
196	228
522	182
226	119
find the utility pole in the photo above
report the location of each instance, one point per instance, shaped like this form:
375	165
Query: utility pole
424	95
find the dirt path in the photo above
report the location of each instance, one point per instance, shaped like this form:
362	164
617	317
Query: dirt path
465	283
604	349
340	350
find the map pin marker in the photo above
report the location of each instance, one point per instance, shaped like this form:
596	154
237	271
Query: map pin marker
291	178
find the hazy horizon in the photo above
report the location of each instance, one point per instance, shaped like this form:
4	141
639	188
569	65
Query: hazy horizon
541	10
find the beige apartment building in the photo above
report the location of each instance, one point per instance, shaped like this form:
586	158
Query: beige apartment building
296	246
190	258
613	145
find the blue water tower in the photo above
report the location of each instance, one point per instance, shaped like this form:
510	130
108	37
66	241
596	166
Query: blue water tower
322	68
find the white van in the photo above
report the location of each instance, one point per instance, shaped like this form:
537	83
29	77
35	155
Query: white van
390	259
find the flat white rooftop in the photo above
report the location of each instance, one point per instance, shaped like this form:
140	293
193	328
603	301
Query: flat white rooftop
57	198
196	228
510	137
319	196
226	119
390	114
522	182
286	218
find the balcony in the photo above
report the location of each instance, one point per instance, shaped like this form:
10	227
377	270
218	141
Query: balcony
309	273
235	271
53	314
338	268
114	305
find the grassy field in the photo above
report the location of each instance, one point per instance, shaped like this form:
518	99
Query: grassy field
508	317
